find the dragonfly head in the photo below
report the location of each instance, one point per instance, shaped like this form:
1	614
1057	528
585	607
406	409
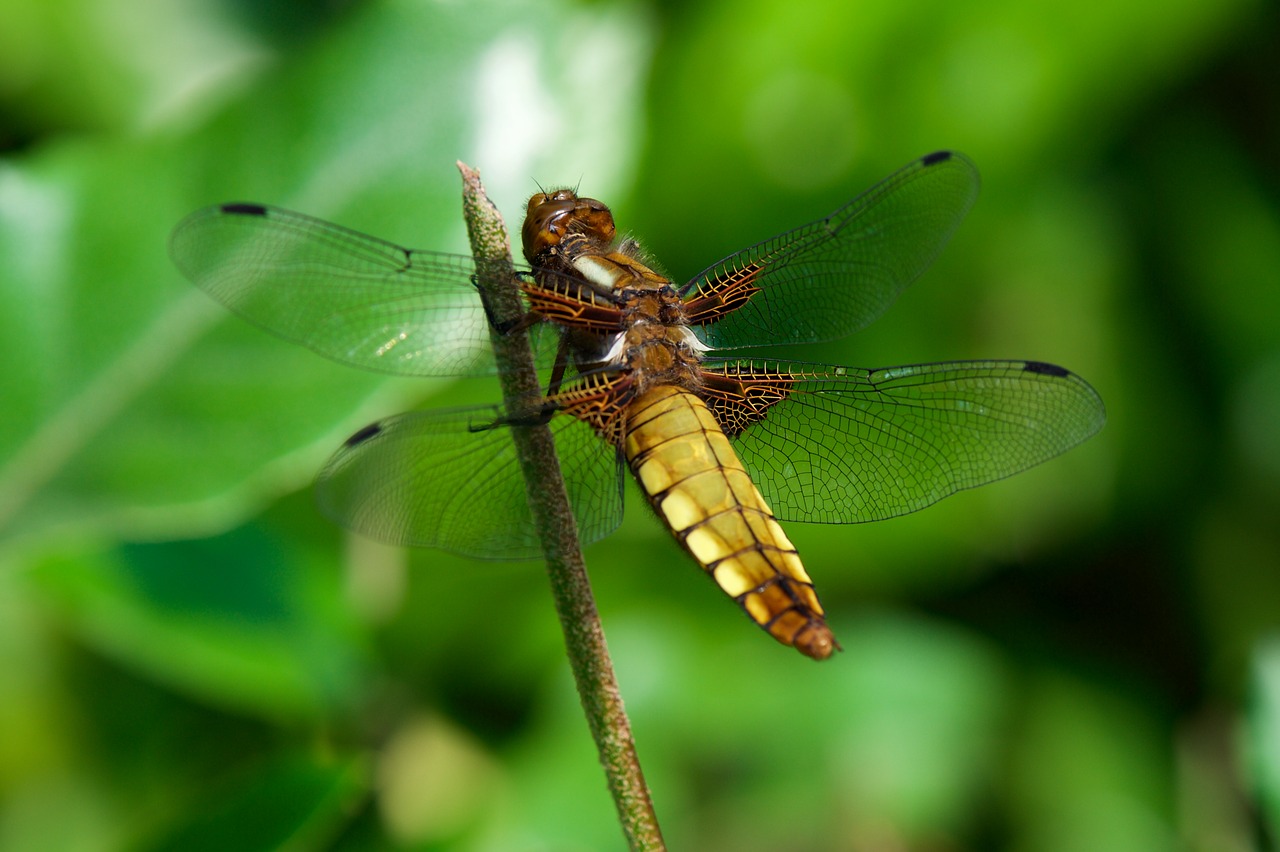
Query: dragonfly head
553	216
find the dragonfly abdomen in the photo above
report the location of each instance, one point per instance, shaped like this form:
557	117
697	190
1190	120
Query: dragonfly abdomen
699	487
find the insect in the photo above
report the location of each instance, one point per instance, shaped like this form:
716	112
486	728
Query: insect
723	447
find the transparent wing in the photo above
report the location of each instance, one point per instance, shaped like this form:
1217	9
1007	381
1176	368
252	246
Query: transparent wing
441	479
350	297
845	445
834	276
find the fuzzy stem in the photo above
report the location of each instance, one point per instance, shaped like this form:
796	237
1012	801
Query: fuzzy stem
549	500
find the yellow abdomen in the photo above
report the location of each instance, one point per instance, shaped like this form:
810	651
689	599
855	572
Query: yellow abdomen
697	484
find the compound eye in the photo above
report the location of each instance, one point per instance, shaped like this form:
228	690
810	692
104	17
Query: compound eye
536	201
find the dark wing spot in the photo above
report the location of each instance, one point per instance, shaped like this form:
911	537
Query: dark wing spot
935	158
1045	369
244	209
363	435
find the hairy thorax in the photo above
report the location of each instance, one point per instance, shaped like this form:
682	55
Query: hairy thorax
658	346
649	336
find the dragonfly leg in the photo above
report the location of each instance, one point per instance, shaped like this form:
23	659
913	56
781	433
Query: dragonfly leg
523	322
540	416
557	369
510	325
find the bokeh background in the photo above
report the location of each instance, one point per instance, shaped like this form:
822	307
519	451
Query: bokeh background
1084	657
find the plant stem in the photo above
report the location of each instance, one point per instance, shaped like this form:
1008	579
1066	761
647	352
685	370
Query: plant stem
549	500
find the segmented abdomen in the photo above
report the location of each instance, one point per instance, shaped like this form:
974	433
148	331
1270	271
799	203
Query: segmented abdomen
697	484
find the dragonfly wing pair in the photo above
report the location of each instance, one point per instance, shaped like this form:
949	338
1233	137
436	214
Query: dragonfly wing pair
822	443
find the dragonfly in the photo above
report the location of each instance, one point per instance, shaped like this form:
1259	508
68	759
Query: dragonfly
640	374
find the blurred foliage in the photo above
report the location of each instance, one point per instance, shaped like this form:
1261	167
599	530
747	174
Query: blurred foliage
1081	658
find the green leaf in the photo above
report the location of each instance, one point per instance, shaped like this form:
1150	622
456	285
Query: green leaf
293	804
1262	734
235	621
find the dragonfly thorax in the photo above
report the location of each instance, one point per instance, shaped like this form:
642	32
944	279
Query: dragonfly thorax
571	241
658	346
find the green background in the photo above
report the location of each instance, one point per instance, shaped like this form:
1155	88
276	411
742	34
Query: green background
1084	657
